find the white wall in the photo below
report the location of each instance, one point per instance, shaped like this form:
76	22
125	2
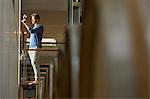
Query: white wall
8	50
53	15
53	5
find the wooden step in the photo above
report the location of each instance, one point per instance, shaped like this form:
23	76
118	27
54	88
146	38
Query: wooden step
32	74
41	68
25	83
31	77
41	73
43	65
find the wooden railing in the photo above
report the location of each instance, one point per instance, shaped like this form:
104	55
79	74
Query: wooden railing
53	76
44	90
41	89
42	49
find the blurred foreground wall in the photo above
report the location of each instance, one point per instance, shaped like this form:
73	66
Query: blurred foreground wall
8	49
115	64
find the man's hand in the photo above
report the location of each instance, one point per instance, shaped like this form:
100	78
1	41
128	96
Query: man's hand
23	21
25	24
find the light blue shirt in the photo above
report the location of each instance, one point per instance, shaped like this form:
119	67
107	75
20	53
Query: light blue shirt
36	33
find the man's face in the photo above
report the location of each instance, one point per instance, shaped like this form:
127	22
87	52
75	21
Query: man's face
33	20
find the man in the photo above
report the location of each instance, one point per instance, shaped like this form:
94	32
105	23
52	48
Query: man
36	32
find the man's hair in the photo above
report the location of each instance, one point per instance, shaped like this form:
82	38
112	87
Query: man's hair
35	15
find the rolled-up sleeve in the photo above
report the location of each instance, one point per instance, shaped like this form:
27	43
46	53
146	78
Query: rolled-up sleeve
36	30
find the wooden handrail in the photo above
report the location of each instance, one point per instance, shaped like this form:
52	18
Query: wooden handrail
41	49
50	42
